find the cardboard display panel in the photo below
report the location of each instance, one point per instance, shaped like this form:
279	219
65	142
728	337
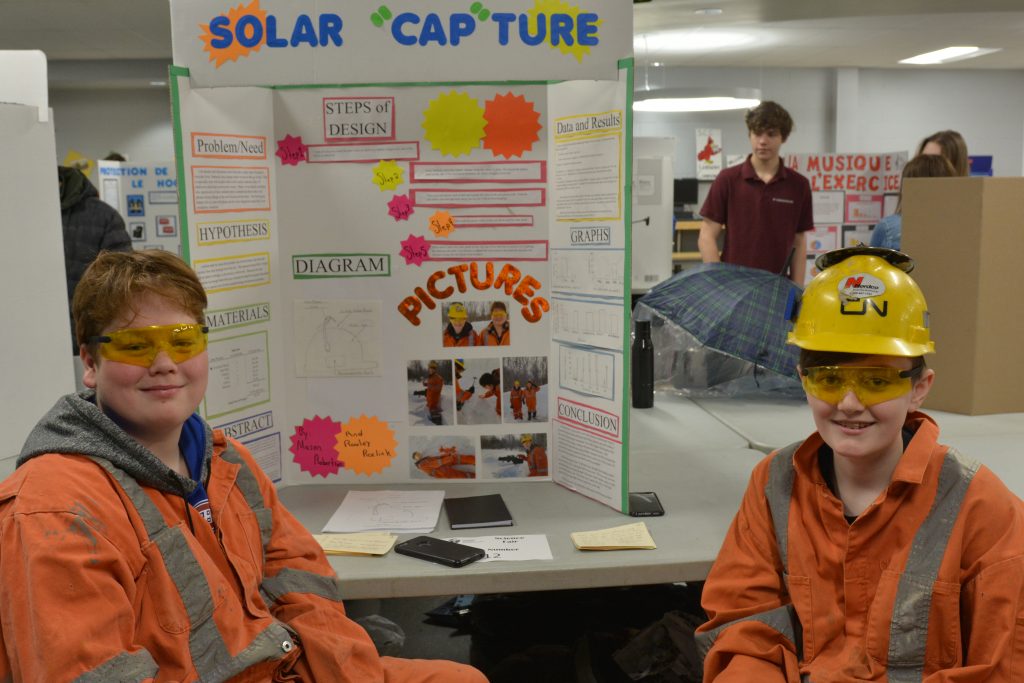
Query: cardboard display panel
966	239
349	235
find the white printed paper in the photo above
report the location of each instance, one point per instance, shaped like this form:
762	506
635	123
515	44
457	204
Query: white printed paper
531	547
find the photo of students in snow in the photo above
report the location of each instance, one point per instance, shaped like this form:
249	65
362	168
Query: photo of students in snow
526	384
510	456
515	399
479	391
442	457
496	333
430	397
491	381
462	392
457	329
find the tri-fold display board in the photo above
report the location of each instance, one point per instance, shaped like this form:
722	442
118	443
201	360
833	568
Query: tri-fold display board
413	225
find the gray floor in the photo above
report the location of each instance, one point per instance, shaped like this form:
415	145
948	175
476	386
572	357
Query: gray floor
422	640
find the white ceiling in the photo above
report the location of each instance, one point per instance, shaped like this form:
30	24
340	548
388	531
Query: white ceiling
836	33
126	43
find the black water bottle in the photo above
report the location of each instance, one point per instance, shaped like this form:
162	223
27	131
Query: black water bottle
643	365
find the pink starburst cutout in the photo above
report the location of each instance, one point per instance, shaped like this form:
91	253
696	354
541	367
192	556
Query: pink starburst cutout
400	208
415	250
291	150
313	445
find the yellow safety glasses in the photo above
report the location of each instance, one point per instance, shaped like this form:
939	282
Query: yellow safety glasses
140	345
871	385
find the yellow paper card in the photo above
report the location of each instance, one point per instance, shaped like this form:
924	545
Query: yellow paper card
369	543
627	537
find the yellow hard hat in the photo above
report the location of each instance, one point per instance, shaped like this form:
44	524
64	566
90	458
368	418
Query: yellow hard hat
863	301
526	438
515	383
457	311
432	365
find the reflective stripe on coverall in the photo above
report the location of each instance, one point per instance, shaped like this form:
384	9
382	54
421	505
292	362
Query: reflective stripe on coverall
207	648
908	630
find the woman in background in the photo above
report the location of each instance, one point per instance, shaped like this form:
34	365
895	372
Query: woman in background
949	144
889	231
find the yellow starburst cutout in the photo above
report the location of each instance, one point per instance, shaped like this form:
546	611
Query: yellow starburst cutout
454	123
387	175
549	7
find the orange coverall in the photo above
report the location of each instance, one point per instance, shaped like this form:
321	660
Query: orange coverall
434	384
530	394
491	392
537	461
83	590
461	395
492	337
444	466
961	602
467	337
515	397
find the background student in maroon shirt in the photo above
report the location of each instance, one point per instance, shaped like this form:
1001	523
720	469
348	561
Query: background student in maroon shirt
762	205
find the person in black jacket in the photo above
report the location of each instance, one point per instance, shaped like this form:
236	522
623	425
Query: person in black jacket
90	226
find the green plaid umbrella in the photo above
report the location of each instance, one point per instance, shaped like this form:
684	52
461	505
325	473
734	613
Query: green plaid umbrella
737	310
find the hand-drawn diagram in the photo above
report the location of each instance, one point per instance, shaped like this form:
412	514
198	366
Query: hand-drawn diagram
339	338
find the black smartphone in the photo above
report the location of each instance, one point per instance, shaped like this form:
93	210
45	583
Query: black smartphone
645	504
440	551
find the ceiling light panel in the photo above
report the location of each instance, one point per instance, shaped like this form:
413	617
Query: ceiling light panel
949	54
689	41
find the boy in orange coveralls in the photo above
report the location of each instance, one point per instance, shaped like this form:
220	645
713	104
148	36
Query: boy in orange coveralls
536	456
530	396
496	333
868	552
461	395
515	399
433	385
492	382
137	544
447	464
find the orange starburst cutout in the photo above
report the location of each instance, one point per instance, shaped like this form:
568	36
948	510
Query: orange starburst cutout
366	445
235	50
512	125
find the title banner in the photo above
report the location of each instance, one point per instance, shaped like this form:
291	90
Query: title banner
302	42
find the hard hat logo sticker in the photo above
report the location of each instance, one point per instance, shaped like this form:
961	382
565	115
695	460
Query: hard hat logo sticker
860	286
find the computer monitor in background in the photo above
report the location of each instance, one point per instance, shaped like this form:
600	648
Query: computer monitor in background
684	198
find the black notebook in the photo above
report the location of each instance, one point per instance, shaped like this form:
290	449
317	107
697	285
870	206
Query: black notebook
477	511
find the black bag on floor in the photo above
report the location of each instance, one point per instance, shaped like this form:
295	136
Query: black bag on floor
569	636
664	652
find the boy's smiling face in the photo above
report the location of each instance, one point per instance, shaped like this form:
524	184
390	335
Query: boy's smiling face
150	403
854	430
